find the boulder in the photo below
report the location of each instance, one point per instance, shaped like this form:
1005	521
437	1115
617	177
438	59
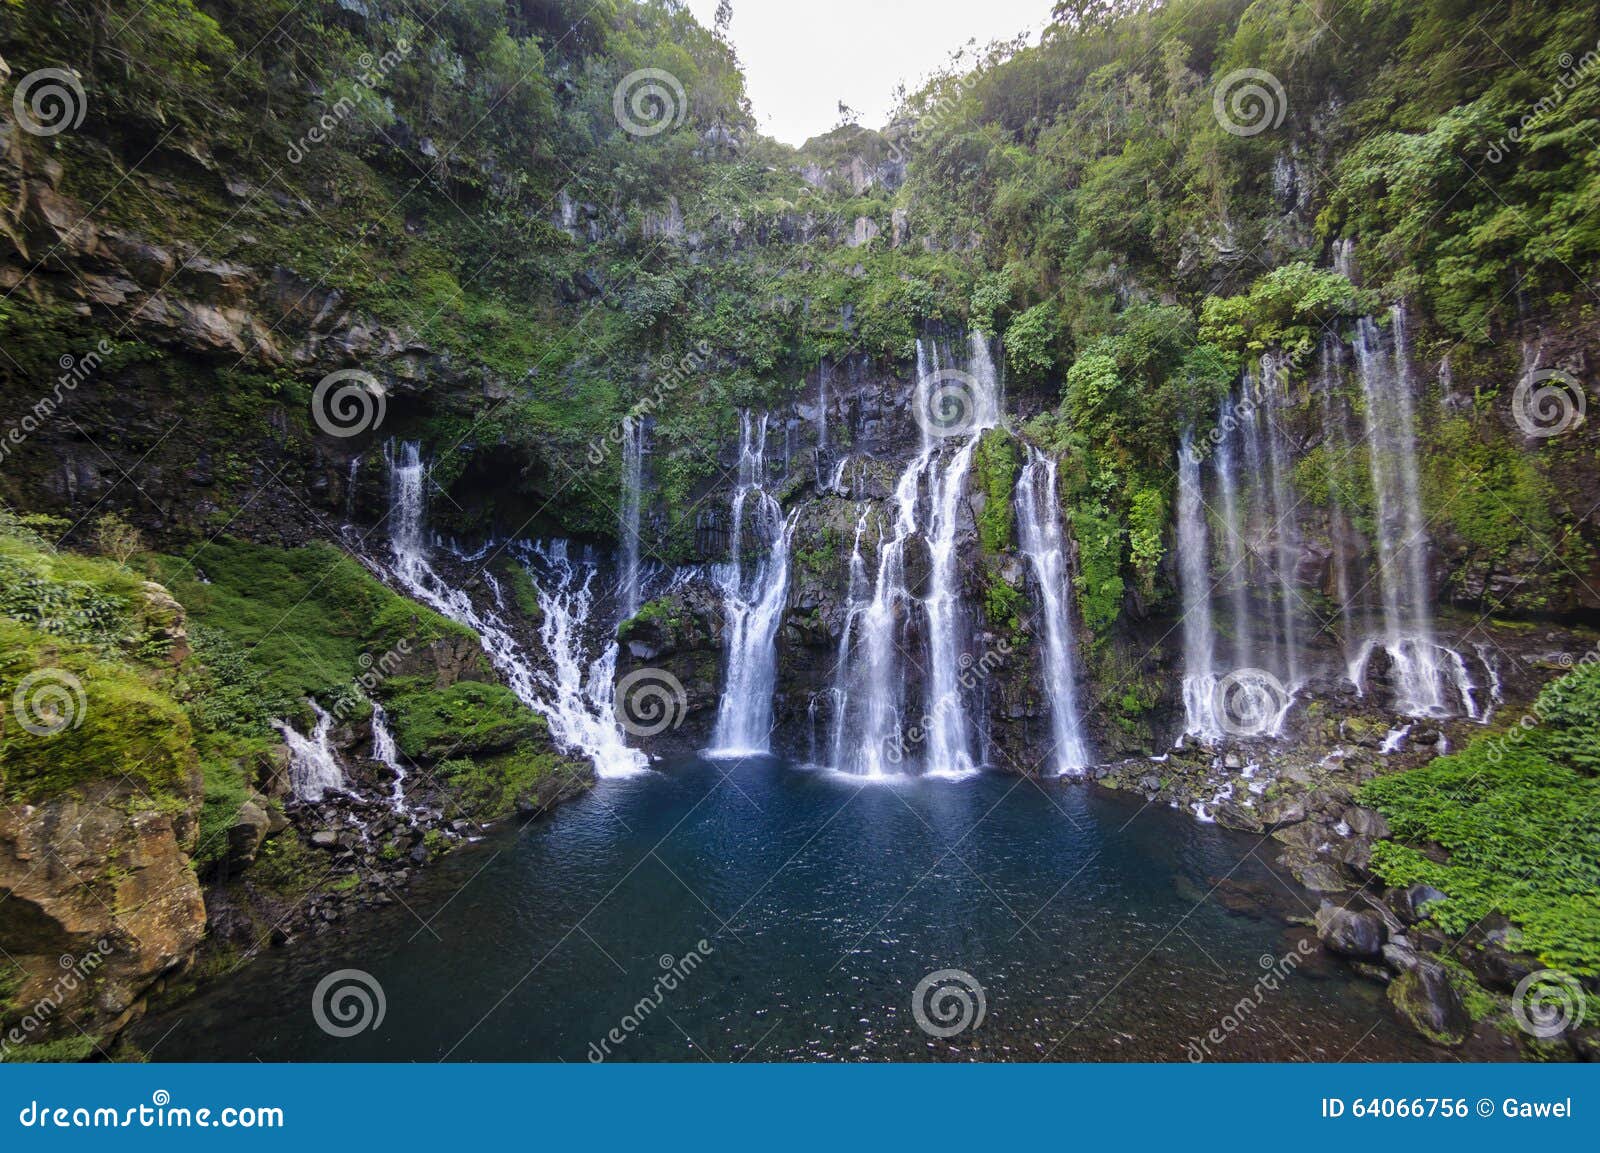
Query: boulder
1425	999
1350	933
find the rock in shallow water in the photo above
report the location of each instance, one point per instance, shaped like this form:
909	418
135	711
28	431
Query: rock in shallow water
1350	933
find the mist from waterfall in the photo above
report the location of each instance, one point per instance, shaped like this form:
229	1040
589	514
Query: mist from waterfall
1039	530
754	596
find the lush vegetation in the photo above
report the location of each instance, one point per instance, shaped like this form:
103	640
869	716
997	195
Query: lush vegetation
1510	825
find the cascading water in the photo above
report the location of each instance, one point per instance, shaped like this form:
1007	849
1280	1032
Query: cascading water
576	696
387	754
869	725
1402	536
628	515
856	605
578	709
1194	564
314	769
1039	524
753	603
1284	525
1237	576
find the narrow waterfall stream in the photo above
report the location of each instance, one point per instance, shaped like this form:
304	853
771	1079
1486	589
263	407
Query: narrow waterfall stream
1194	567
314	769
753	601
633	434
1039	523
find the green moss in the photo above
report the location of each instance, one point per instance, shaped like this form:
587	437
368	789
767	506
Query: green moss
995	466
467	717
65	1050
524	779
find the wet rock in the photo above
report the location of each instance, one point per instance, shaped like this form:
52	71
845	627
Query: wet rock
1366	822
325	839
1350	933
1425	999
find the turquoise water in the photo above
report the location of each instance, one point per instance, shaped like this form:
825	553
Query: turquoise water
1096	928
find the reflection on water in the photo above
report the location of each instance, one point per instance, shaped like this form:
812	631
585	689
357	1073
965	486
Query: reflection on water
1097	931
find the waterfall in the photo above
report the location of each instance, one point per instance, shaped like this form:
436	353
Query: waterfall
1234	552
856	604
575	695
753	603
822	406
1285	527
313	765
1194	563
387	754
628	515
1039	521
869	726
1402	536
577	708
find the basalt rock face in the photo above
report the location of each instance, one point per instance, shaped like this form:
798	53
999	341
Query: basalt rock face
101	906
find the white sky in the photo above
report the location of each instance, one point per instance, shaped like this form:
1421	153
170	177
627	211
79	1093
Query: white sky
801	57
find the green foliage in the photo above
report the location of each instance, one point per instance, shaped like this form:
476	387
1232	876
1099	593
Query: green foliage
995	467
1287	309
1101	538
1034	341
1003	604
1518	818
1147	520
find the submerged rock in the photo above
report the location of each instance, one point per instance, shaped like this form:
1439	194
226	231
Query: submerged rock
1350	933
